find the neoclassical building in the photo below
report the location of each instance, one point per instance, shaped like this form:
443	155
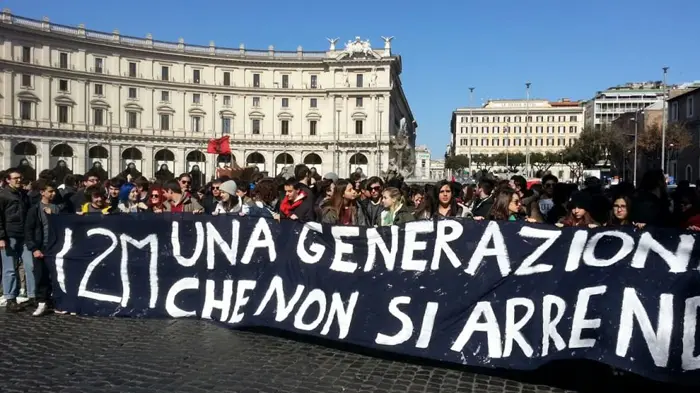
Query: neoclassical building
83	96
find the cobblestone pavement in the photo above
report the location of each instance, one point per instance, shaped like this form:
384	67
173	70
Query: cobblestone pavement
75	354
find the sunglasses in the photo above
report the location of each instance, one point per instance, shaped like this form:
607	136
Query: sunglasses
185	181
376	188
155	196
215	188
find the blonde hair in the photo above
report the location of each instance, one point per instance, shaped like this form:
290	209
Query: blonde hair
395	194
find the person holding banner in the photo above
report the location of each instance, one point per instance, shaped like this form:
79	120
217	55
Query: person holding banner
229	202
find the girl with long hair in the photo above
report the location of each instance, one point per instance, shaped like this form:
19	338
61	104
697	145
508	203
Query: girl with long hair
446	200
395	210
343	209
157	200
620	214
579	212
229	202
506	205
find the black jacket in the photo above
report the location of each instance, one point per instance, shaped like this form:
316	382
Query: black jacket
14	205
34	229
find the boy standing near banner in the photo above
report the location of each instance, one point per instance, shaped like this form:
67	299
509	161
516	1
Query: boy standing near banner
36	239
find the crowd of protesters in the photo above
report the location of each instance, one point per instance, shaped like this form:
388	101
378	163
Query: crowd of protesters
307	196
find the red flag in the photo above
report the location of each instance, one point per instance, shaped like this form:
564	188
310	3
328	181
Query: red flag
219	146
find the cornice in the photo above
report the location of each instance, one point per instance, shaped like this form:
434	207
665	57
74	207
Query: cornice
14	66
282	59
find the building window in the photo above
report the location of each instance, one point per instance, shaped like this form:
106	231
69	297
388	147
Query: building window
165	96
99	89
98	117
132	119
313	103
312	127
63	85
165	122
227	79
572	118
285	103
314	81
26	80
256	80
196	123
285	81
360	80
195	76
165	73
25	110
132	92
132	70
63	61
689	107
538	118
562	118
674	111
227	100
572	129
63	114
358	102
196	98
284	129
99	63
358	127
26	54
550	129
226	125
256	102
256	126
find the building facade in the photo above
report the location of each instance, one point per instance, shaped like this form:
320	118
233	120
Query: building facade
684	109
609	104
437	170
517	126
423	162
82	96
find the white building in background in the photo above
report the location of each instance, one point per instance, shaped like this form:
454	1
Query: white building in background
437	170
422	170
609	104
68	93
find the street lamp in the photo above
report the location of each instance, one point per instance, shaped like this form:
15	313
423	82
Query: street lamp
527	138
636	130
471	119
663	123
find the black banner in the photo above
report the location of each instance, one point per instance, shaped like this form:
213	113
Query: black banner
489	294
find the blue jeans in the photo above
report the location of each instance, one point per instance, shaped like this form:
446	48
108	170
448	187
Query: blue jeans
12	253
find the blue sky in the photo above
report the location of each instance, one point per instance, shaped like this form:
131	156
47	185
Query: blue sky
566	49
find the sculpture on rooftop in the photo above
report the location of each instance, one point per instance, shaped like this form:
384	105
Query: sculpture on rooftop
333	41
358	46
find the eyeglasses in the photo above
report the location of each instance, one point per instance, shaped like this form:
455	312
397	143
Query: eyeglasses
375	188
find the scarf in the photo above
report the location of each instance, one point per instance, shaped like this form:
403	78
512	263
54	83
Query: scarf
287	207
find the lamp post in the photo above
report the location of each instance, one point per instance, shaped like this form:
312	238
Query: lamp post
663	123
527	123
636	133
471	119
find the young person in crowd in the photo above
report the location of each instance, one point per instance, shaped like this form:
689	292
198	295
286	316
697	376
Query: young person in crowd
14	206
179	200
297	204
229	202
36	235
343	207
395	210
